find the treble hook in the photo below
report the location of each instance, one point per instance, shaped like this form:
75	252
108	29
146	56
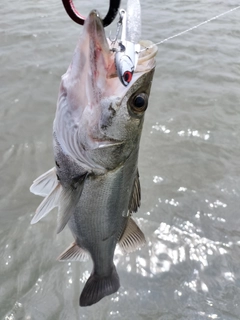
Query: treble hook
78	18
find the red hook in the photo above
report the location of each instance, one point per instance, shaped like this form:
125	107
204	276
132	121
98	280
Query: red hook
78	18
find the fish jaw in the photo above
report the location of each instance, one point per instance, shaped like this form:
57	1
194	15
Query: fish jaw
91	66
93	106
85	84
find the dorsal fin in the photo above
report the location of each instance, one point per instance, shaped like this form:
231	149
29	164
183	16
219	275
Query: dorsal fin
73	253
135	200
132	238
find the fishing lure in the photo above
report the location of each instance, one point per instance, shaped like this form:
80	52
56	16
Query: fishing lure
126	56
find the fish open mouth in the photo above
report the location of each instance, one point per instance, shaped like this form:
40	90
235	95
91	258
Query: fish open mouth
95	30
100	56
89	87
100	50
147	54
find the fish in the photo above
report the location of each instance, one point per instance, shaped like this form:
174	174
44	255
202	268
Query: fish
95	180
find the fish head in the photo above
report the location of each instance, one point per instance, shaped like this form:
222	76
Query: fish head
98	120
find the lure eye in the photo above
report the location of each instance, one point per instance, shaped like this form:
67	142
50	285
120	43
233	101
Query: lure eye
127	77
139	103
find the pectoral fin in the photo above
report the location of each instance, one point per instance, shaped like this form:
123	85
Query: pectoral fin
65	199
68	201
132	238
48	203
74	253
135	200
44	184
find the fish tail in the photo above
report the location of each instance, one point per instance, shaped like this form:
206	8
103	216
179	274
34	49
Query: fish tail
97	287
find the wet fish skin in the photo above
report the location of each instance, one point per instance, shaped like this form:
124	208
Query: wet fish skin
98	225
96	136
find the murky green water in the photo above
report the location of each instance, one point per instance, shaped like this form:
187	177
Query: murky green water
189	168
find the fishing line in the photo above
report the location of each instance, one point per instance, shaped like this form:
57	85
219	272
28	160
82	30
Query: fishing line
192	28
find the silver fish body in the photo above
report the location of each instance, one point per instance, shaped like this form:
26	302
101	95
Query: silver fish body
98	225
96	136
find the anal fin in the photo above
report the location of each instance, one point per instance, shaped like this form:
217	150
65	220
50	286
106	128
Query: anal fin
73	253
132	238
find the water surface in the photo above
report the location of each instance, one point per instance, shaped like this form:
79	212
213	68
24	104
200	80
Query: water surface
189	168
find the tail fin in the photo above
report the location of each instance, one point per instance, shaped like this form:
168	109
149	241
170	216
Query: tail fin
98	287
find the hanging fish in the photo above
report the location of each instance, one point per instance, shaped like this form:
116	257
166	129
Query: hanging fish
95	181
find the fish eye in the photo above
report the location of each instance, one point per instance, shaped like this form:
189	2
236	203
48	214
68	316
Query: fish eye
139	103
